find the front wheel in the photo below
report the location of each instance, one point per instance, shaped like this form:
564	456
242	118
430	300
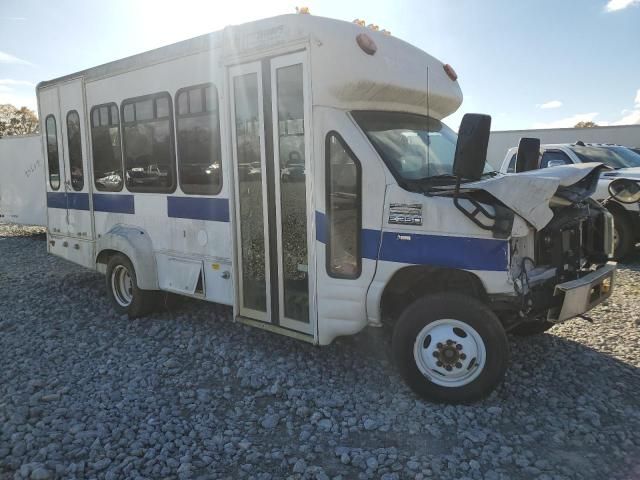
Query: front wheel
122	287
623	236
450	348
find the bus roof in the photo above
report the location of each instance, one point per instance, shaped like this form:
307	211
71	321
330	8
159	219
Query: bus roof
343	75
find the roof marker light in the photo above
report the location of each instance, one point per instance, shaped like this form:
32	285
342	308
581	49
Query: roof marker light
357	21
367	45
451	73
373	26
302	10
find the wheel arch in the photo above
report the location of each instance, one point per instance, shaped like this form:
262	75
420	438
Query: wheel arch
412	282
136	245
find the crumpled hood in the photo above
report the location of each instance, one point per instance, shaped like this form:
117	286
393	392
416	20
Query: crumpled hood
528	194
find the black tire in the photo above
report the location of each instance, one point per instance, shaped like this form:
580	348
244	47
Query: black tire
470	312
626	238
527	329
141	301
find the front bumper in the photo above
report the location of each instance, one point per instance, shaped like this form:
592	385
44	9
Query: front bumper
581	295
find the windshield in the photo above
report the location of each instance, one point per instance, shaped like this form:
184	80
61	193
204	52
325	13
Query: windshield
614	157
414	147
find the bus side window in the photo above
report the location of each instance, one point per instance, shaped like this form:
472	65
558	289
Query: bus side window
75	150
198	137
147	138
52	152
105	142
344	209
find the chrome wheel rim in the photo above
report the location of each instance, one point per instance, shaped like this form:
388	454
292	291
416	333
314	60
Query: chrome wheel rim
449	353
122	285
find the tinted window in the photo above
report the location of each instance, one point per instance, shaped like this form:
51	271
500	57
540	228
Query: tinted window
614	157
52	152
555	156
512	164
75	150
107	155
343	209
148	144
198	134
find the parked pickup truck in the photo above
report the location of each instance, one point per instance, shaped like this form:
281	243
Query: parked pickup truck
622	161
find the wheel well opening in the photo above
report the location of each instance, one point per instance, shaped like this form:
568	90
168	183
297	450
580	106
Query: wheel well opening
411	283
105	255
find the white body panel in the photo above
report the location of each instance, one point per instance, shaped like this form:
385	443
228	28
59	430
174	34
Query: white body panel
22	196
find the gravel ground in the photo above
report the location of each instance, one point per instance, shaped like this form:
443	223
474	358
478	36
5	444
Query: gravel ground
85	393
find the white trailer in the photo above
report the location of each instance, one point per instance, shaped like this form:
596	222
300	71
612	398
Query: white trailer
22	198
297	169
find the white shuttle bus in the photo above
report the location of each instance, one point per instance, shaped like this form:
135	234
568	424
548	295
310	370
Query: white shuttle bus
297	169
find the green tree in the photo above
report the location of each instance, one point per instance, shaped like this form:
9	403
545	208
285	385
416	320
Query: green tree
14	121
583	124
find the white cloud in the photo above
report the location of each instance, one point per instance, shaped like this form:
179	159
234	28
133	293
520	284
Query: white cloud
10	82
8	58
568	122
632	118
615	5
19	100
550	104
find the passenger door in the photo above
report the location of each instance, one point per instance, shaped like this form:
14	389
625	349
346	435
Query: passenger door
273	201
77	182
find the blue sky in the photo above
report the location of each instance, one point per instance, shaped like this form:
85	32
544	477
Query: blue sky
530	64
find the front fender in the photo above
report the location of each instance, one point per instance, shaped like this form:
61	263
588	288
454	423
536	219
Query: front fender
136	244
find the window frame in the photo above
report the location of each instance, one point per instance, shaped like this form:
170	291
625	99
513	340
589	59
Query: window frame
110	105
172	141
328	225
176	114
69	150
46	136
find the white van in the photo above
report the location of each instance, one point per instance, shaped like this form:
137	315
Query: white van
625	163
297	168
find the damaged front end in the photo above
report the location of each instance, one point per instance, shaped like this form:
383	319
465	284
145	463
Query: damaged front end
560	264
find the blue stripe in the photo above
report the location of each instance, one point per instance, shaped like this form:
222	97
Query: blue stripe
446	251
78	201
437	250
56	200
113	203
199	208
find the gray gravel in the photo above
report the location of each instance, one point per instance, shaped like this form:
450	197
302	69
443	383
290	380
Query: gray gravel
85	393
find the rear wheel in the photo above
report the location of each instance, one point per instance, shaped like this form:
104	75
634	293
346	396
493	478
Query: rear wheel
122	287
450	348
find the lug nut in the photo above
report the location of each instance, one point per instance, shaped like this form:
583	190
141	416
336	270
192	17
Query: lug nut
435	354
459	346
458	365
448	367
463	356
439	345
449	342
439	363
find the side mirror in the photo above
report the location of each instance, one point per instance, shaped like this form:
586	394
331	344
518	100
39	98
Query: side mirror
471	149
625	191
528	156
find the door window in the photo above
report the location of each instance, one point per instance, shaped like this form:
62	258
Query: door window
344	214
75	150
293	202
554	156
250	198
53	159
